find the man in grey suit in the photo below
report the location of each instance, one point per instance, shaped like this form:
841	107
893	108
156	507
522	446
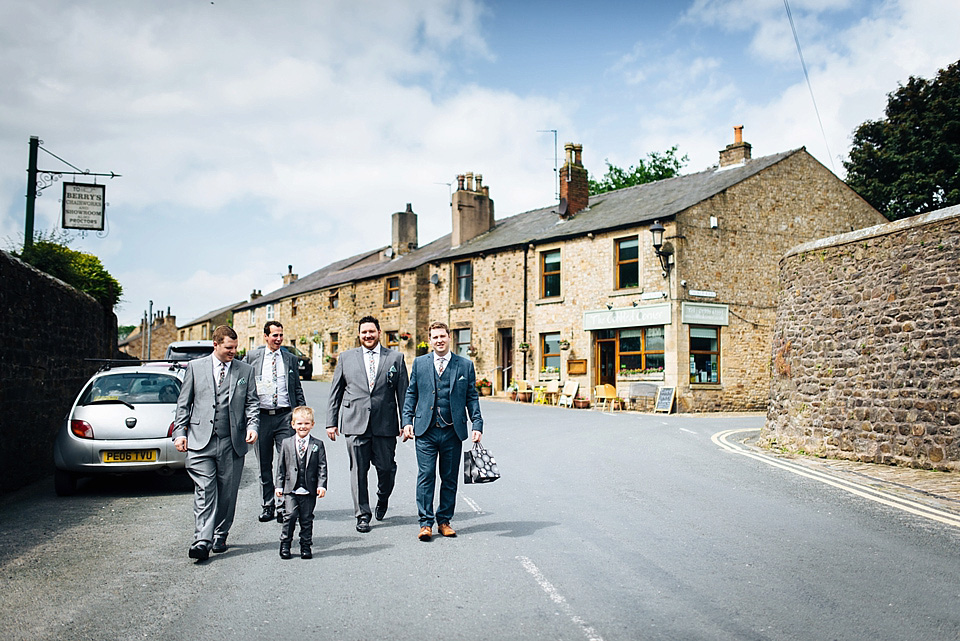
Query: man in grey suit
216	419
441	395
369	383
277	374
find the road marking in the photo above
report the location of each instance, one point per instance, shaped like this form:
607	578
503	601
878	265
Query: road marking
863	491
683	429
473	505
557	598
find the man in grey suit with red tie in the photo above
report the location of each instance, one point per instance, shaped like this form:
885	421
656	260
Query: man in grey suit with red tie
277	374
368	387
216	419
441	396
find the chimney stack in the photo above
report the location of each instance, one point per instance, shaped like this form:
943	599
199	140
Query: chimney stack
574	183
254	295
738	151
472	209
289	277
404	237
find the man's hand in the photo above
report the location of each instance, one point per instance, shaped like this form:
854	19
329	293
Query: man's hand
279	492
251	437
180	443
407	432
332	433
476	436
321	492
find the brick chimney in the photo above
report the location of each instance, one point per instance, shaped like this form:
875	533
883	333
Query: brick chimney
472	209
289	277
574	184
737	152
404	238
254	295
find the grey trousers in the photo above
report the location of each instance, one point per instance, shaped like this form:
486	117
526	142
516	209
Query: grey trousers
215	471
365	449
273	429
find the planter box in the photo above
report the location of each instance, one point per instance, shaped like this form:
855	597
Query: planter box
581	403
486	391
640	377
524	396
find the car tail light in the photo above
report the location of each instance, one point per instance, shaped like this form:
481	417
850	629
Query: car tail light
81	429
170	431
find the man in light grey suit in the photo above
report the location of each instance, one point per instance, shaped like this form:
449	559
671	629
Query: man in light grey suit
217	418
277	374
369	383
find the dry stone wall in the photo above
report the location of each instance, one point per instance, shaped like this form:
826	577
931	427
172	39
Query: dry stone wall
866	352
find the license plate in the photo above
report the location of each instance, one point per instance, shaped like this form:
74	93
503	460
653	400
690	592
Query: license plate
129	456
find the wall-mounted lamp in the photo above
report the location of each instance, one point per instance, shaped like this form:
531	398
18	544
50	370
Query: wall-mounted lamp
657	230
609	306
634	303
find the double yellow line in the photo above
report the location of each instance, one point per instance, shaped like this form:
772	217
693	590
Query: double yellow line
723	440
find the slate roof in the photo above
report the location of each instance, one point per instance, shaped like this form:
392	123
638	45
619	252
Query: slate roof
622	208
211	315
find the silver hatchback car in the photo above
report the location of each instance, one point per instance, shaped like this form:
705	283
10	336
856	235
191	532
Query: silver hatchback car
121	422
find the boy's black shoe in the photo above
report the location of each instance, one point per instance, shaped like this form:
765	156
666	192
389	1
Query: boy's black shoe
305	552
285	551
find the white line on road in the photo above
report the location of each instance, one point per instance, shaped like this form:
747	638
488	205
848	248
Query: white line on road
683	429
557	598
879	496
473	504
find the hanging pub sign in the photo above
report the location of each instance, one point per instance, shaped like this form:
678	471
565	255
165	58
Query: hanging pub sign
83	206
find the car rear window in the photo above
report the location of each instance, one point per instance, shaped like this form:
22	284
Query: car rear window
188	353
133	388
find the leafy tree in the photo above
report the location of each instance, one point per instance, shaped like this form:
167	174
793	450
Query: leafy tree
82	271
124	330
657	166
909	162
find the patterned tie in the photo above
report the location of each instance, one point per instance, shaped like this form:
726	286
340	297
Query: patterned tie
223	373
275	384
371	369
440	365
301	446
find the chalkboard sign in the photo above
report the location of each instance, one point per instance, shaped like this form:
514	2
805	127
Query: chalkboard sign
665	399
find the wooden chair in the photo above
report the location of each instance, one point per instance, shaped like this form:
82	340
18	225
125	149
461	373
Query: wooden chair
569	392
606	396
551	392
522	386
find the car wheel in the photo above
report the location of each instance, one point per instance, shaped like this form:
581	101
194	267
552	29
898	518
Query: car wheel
65	483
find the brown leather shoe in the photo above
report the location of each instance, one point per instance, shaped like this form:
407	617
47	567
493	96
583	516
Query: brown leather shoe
446	530
426	533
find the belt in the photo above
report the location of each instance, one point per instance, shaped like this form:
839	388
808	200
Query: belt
279	410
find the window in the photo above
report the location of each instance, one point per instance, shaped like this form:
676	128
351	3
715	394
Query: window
253	317
270	312
463	274
334	299
704	354
640	350
203	331
550	352
293	307
393	339
461	342
628	263
550	274
334	343
251	343
393	291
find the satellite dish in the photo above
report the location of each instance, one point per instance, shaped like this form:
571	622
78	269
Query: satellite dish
563	208
388	252
434	279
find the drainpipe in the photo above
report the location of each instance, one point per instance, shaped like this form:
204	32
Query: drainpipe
526	246
150	332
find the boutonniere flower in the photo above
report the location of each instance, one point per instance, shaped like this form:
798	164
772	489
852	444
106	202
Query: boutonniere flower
315	448
392	369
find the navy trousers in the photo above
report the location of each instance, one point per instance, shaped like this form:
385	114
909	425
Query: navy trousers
439	449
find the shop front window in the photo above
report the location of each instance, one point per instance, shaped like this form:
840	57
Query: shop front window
640	351
550	352
704	354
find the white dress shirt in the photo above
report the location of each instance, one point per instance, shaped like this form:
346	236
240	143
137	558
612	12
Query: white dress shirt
438	359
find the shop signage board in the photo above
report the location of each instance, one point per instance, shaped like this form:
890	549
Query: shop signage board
704	314
83	206
640	316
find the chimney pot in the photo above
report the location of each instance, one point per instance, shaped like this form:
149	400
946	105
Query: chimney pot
460	179
736	152
738	134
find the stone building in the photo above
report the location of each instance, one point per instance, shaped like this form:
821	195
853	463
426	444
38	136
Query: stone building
577	290
866	348
202	328
163	331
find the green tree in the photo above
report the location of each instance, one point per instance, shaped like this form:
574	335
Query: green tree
82	271
909	162
657	166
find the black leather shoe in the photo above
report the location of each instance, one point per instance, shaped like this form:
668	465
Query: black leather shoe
285	551
219	544
306	552
279	516
363	524
381	510
267	514
200	551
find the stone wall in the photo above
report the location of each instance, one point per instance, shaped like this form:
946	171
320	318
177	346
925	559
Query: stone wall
46	332
866	351
163	331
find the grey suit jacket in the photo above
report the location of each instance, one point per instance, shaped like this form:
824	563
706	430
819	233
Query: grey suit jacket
418	407
290	364
316	472
195	406
353	407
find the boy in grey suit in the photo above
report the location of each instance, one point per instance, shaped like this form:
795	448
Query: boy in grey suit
301	480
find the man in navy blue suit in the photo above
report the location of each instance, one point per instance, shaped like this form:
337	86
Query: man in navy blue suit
441	395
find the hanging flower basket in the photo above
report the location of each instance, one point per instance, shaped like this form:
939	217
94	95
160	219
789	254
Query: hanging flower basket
524	347
564	344
472	351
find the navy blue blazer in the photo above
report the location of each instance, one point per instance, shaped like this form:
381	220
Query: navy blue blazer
421	398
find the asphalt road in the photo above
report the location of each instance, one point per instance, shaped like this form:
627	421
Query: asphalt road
604	526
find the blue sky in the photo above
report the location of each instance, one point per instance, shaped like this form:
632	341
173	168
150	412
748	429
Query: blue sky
254	135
